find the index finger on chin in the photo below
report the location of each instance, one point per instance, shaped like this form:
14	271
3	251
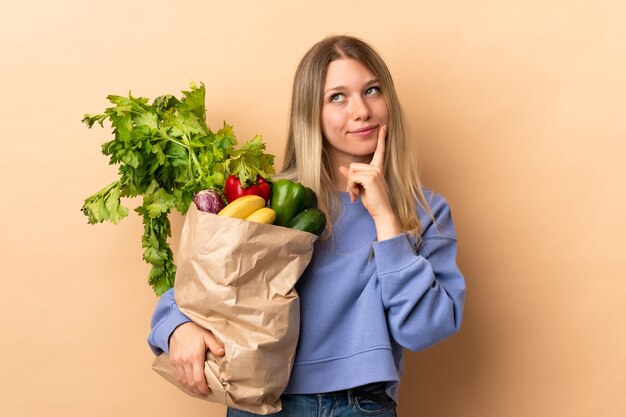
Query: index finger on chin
379	153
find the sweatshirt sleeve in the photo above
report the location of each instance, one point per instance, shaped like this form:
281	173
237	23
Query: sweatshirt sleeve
166	318
424	291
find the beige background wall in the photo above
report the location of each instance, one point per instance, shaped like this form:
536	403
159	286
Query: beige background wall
519	109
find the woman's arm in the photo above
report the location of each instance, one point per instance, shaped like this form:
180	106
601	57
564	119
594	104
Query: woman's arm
424	292
166	318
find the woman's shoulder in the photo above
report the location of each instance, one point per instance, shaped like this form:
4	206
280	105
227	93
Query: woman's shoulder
435	200
439	221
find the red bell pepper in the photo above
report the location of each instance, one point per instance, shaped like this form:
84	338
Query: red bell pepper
233	189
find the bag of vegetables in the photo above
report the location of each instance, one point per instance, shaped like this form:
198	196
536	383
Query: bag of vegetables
232	276
236	278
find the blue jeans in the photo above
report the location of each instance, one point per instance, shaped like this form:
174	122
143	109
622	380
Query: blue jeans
347	403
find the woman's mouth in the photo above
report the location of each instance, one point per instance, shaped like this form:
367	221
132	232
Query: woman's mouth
363	131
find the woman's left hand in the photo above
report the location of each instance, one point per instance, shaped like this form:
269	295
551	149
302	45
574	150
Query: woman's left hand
367	181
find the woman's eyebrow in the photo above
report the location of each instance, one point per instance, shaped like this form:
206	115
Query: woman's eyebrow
337	87
341	87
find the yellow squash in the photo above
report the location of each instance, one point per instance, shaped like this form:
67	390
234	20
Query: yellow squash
263	215
243	206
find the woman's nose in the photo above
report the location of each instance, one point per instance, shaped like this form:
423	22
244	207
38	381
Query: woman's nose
360	110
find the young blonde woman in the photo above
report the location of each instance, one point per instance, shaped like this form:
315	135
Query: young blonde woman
384	278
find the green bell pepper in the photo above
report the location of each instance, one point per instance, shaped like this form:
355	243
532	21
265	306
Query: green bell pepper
288	198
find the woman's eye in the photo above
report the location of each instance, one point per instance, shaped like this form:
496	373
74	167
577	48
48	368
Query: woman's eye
335	98
372	91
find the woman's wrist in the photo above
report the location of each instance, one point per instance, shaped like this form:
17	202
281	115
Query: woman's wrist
387	226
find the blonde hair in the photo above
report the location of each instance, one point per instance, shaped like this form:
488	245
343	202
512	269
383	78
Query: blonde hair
305	157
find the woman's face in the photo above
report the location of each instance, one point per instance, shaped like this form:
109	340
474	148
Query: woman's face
353	111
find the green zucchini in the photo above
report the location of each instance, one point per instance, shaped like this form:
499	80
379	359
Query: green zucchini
310	220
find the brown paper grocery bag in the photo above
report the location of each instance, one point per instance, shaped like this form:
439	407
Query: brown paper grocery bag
236	278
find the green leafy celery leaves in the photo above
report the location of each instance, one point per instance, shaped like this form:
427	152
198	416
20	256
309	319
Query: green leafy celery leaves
250	161
166	153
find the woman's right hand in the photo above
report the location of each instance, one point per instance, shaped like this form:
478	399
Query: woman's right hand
188	345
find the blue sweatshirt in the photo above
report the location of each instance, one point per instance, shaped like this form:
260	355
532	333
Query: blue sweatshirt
362	301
